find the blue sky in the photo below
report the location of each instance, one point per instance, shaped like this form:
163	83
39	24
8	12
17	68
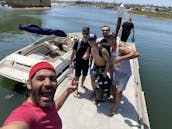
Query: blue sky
154	2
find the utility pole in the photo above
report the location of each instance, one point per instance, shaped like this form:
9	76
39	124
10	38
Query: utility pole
120	13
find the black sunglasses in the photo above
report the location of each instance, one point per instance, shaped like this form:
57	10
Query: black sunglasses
105	30
85	33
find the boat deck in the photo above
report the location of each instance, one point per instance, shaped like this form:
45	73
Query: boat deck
81	113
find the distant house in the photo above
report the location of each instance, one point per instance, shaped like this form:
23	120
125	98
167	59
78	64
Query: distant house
28	3
149	9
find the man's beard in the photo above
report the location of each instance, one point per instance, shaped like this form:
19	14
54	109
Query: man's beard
37	97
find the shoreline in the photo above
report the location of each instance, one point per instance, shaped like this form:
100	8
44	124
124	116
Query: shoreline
150	17
64	4
88	4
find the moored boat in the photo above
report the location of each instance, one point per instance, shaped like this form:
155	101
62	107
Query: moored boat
53	49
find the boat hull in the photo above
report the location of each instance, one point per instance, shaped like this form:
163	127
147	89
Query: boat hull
53	49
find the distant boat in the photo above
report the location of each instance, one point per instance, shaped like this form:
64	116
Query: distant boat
54	49
63	5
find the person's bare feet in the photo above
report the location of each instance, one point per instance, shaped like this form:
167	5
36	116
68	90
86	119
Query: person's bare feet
112	113
113	110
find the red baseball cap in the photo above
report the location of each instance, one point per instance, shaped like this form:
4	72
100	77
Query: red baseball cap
41	65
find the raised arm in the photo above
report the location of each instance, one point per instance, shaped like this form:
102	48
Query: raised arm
60	100
126	53
120	31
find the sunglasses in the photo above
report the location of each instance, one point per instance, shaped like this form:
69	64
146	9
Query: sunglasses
42	78
85	33
105	30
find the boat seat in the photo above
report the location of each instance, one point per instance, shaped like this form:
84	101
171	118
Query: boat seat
65	48
52	47
37	56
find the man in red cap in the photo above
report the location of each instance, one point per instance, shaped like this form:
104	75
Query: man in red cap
39	111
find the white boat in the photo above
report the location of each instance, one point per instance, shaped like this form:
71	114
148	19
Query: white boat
53	49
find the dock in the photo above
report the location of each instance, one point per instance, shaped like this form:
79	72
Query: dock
81	113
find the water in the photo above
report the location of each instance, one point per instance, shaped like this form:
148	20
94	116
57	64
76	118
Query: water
153	41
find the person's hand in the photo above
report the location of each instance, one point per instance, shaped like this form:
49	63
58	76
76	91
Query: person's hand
85	56
117	60
72	86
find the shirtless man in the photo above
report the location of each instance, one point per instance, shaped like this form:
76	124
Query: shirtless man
120	68
101	60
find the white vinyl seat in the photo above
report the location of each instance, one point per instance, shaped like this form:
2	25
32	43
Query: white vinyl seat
65	48
51	46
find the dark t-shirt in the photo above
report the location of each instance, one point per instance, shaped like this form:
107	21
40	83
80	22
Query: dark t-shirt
127	26
81	51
